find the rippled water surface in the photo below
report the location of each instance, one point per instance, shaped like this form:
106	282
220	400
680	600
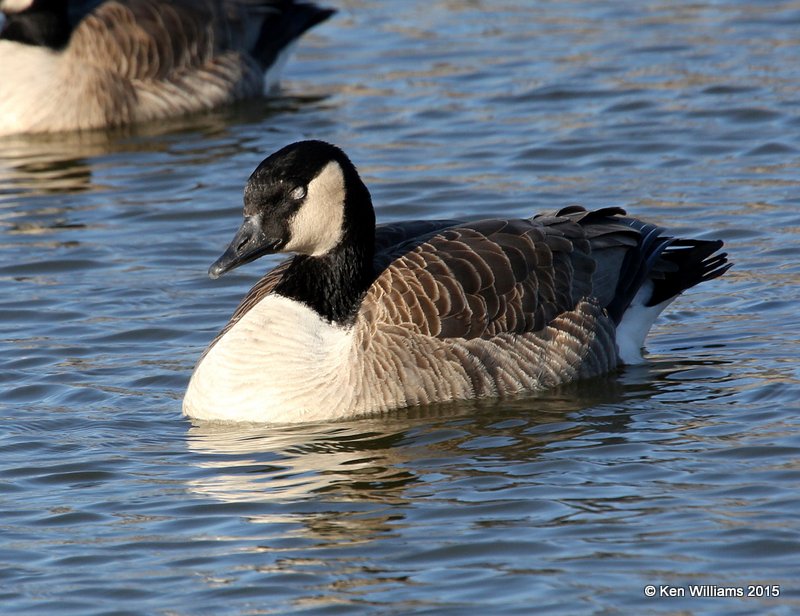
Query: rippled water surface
683	471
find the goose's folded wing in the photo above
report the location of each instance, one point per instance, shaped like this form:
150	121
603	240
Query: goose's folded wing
147	39
481	279
143	60
152	40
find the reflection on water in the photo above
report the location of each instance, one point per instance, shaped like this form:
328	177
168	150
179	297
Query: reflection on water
523	482
325	498
370	459
262	463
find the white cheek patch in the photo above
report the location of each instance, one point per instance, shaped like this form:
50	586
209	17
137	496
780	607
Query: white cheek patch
317	226
15	6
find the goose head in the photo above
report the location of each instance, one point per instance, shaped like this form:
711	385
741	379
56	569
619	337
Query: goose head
307	199
43	23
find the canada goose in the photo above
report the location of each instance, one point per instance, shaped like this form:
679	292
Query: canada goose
367	319
128	61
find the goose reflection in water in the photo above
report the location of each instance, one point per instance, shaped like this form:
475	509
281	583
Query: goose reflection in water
383	458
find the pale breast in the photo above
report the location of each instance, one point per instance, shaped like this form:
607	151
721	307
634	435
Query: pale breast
280	363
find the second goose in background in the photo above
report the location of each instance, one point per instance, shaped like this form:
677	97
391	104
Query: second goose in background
367	319
129	61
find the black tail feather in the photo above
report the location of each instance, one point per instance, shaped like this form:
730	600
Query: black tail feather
684	264
637	265
672	264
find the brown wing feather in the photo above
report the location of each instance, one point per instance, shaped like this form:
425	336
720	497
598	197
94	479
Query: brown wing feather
146	39
481	279
153	59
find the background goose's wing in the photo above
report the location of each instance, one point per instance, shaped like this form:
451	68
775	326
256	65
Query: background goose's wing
147	39
154	59
152	39
480	279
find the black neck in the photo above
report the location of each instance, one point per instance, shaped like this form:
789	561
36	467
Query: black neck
334	284
46	24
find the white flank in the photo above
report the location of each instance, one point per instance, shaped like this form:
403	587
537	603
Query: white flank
636	323
27	73
317	226
280	363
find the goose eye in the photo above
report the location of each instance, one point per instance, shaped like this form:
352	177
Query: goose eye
298	193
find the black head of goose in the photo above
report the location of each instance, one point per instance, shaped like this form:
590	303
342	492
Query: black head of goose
106	63
365	318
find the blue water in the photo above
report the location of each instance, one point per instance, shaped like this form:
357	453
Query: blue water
683	471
